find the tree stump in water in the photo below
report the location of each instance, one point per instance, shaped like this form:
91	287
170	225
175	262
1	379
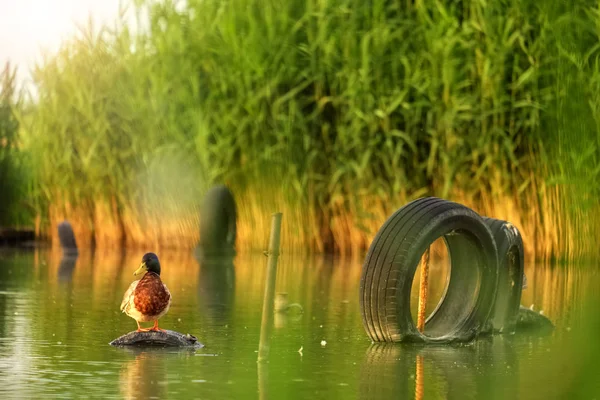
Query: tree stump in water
157	339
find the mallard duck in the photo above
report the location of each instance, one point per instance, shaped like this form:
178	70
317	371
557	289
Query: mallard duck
147	299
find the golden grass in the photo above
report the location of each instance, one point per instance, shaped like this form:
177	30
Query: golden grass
410	104
548	230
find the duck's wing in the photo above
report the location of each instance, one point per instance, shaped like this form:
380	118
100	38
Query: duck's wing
128	295
169	297
167	290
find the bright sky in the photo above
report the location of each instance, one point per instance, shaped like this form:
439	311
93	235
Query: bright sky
27	26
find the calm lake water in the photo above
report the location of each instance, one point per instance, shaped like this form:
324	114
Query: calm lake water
56	320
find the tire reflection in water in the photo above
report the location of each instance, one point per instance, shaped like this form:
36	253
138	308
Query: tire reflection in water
216	287
66	267
476	370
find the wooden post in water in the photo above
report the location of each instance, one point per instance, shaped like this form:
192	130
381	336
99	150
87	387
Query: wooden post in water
423	291
424	281
268	306
423	286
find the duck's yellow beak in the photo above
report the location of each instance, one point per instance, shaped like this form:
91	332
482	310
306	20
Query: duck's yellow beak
141	269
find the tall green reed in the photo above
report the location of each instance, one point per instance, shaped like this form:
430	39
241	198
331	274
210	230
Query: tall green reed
344	110
14	209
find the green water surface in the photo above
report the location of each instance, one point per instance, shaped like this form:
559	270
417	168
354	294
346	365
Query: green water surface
57	318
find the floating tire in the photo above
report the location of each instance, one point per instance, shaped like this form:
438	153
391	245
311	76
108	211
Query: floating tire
218	219
511	274
393	258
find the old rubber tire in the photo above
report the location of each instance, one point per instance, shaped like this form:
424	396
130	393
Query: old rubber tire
218	219
392	260
67	238
511	273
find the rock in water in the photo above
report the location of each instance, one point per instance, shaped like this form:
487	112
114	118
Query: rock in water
531	320
157	339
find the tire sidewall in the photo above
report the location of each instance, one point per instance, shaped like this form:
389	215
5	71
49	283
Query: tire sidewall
471	226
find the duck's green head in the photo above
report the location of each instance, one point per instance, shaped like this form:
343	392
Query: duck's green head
149	263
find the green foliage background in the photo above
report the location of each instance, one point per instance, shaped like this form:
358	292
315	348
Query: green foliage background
14	174
343	108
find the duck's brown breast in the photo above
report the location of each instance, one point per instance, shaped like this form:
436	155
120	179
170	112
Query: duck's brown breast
150	297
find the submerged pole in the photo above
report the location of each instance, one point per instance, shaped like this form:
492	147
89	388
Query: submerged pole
419	379
268	306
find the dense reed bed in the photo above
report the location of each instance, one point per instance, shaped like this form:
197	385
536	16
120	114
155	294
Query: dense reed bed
14	209
334	112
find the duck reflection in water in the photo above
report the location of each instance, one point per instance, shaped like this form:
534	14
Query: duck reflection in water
145	377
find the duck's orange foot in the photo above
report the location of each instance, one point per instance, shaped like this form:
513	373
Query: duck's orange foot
140	329
155	327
